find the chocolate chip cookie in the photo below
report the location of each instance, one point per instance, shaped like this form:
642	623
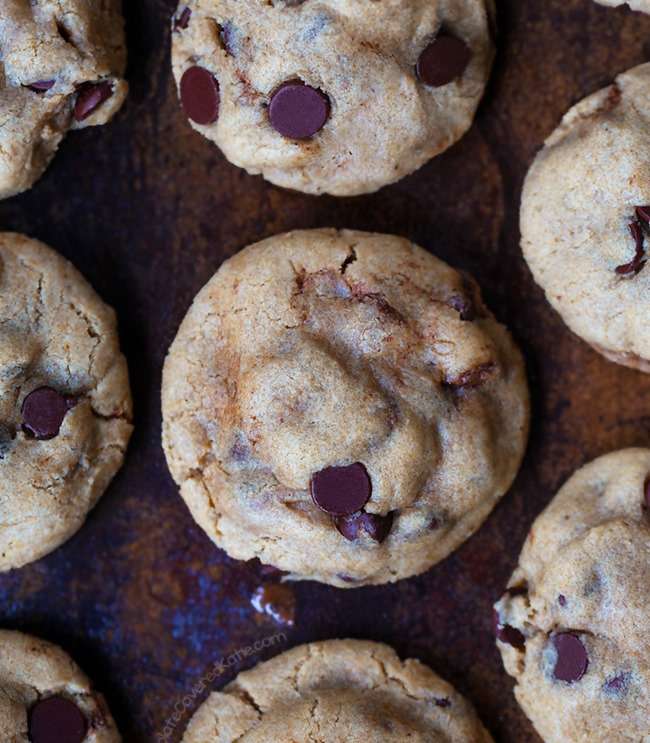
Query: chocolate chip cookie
585	219
65	406
342	406
643	5
61	63
46	698
331	96
573	624
339	690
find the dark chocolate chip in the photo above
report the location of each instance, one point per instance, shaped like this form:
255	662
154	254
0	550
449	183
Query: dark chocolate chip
507	634
341	491
643	213
616	685
444	59
277	601
646	489
56	720
637	263
442	703
43	412
226	35
42	85
182	21
464	307
561	600
375	526
298	111
347	578
200	96
89	97
572	661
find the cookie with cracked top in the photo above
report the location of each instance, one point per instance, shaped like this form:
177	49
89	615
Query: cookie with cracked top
585	220
331	96
338	690
65	405
342	406
62	64
46	698
573	625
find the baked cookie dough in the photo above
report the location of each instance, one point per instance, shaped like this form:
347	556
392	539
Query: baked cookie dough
331	96
643	5
585	219
573	624
342	406
61	63
65	406
337	691
46	698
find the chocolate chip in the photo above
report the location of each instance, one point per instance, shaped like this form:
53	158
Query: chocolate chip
561	600
375	526
298	111
43	412
464	307
42	85
277	601
637	263
643	213
572	661
646	489
442	703
200	96
227	39
341	491
347	578
616	685
443	60
56	720
181	21
89	97
507	634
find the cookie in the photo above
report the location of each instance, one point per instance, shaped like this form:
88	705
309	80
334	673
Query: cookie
585	222
331	96
65	406
337	691
643	5
61	63
573	624
46	698
342	406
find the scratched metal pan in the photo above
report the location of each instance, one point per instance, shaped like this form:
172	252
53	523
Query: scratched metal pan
148	210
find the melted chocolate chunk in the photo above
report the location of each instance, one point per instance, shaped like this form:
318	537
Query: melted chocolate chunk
572	660
90	97
375	526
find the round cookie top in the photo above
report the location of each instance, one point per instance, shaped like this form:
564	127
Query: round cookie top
338	690
643	5
65	406
46	698
62	62
585	219
331	96
573	624
342	406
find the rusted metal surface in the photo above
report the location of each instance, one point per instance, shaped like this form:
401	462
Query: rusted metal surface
148	209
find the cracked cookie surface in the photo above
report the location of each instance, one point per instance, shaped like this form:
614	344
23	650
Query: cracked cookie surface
342	406
573	624
61	63
377	109
42	689
65	405
338	691
585	219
